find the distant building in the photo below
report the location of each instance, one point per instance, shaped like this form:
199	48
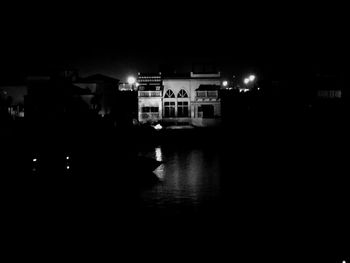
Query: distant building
180	99
63	93
13	95
51	96
329	87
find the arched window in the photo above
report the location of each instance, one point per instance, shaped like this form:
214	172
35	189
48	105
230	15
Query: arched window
182	94
169	94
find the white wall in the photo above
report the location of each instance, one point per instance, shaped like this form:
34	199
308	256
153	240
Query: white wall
189	85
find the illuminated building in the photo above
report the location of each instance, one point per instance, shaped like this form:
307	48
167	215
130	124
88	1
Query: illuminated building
180	99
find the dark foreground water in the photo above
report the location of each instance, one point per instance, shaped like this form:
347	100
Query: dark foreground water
250	195
189	181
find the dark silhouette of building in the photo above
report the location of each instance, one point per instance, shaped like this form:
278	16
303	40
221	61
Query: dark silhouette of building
63	97
104	89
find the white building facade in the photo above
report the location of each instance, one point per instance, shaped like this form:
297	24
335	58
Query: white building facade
189	99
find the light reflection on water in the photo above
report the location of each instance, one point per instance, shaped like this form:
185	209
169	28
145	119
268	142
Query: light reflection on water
158	154
190	179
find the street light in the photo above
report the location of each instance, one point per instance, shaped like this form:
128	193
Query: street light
249	82
225	83
252	77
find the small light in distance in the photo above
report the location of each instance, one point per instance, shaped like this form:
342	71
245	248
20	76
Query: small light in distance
35	159
67	158
68	167
158	127
225	83
246	80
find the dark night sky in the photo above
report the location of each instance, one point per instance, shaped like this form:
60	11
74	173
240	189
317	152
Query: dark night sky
125	38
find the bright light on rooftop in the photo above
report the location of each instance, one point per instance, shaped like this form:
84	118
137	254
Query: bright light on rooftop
131	80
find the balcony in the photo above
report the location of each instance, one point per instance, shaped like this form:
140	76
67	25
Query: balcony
149	116
150	94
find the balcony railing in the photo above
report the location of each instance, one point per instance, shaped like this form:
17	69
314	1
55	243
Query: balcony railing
212	94
150	94
207	94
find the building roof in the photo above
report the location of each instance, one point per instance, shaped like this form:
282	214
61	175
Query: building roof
208	87
205	75
75	90
191	75
147	74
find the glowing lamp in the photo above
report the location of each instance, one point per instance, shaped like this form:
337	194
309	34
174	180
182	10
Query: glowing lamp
131	80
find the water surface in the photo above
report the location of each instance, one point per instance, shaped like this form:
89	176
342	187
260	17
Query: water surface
189	181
